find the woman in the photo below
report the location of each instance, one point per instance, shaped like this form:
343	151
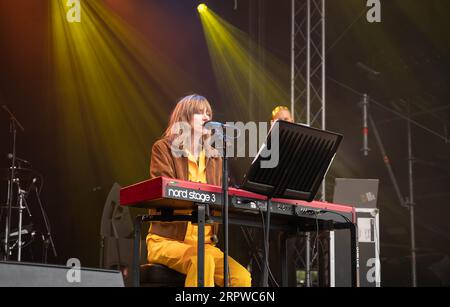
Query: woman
281	113
186	156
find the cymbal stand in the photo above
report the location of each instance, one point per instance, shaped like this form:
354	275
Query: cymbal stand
48	239
22	205
13	129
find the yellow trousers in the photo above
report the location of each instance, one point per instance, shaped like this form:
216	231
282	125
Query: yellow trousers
182	257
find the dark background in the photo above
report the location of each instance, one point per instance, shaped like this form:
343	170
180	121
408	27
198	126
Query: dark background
410	49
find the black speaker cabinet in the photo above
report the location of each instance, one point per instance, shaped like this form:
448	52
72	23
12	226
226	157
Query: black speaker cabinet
19	274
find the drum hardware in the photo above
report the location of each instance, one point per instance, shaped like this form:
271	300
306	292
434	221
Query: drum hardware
18	178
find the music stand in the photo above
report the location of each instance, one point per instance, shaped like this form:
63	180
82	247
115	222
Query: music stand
302	156
305	155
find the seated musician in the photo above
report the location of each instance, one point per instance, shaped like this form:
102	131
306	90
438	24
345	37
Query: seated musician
174	244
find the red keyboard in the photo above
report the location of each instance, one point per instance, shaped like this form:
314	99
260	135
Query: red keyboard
161	192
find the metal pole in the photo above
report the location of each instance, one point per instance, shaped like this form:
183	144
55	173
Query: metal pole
21	207
411	202
7	221
308	260
323	88
323	68
293	61
13	128
251	92
332	259
284	258
49	239
137	249
265	272
225	208
387	162
308	66
308	122
201	209
10	192
365	105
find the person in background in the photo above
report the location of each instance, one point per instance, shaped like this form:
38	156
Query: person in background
281	113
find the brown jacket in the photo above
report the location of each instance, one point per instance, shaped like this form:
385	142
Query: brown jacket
163	163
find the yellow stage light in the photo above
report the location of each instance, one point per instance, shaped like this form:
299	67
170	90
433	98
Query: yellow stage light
237	65
202	8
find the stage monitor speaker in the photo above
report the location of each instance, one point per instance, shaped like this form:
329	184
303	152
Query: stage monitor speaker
19	274
118	254
362	194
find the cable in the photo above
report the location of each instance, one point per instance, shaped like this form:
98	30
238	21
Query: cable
248	237
265	246
266	263
337	213
253	253
314	254
345	31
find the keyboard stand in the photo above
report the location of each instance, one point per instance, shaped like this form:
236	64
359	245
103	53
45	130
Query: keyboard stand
201	209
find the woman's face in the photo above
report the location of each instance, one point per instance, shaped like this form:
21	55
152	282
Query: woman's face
198	120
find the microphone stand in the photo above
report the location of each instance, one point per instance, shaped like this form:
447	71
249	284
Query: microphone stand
404	202
48	239
224	198
225	206
365	105
13	130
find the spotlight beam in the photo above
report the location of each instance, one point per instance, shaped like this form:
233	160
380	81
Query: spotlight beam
202	8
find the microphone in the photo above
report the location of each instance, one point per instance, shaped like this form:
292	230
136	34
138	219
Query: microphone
10	156
220	130
219	127
214	125
365	105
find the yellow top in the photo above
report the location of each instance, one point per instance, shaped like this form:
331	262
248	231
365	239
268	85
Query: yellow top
197	173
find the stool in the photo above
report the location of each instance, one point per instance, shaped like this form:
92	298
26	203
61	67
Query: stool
157	275
151	275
